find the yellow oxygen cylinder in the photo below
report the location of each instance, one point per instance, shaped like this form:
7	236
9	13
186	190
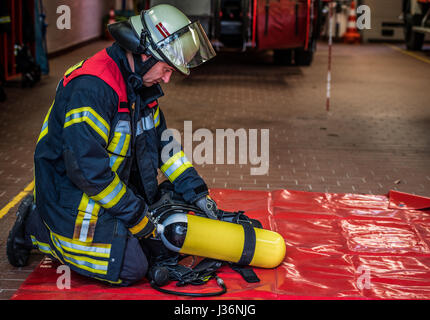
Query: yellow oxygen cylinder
220	240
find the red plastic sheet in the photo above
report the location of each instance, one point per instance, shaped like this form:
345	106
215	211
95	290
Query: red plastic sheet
339	246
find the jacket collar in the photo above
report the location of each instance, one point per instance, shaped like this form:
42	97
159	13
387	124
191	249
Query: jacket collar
133	81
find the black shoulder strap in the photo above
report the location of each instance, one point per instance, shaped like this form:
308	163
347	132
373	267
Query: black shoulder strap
249	245
247	273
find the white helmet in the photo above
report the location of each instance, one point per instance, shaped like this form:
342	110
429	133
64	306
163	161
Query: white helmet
167	34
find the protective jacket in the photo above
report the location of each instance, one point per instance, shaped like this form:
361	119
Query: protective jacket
96	164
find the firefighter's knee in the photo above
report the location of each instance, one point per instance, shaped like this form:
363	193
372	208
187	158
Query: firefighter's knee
135	263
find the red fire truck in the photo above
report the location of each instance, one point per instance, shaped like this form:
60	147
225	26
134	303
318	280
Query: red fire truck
288	27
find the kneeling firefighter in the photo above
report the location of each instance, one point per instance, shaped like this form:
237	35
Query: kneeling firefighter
100	149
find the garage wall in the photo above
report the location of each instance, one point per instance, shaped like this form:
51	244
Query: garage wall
86	22
386	24
190	7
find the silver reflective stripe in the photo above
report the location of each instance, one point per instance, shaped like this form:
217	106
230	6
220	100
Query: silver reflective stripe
120	145
112	160
181	161
44	247
86	220
5	19
146	123
122	135
83	249
123	127
157	118
90	116
112	194
79	262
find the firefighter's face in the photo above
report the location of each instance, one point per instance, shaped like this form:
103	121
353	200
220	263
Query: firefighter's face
160	72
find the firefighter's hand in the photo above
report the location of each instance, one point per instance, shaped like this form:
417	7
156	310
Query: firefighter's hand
208	206
144	228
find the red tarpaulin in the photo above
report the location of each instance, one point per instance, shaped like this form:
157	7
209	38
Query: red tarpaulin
339	246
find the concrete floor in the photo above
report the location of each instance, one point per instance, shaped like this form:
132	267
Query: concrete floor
376	136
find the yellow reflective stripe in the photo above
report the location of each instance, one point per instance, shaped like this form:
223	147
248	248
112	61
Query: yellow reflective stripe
87	248
86	219
80	110
92	226
179	171
73	68
80	217
115	161
92	118
98	254
88	264
44	247
84	203
78	224
34	183
157	117
119	143
139	227
110	281
169	162
175	166
5	19
90	123
63	244
44	130
126	145
111	195
114	142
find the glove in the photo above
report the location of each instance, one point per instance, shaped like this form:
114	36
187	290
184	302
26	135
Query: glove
208	206
144	228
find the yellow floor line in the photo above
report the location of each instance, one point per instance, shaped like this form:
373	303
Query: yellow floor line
409	53
17	199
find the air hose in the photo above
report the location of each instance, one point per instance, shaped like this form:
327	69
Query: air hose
219	281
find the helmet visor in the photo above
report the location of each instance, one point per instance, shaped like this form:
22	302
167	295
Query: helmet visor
187	48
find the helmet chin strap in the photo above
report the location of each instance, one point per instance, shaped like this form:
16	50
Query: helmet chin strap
134	80
142	67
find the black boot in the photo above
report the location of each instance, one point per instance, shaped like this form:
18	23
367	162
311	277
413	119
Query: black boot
18	247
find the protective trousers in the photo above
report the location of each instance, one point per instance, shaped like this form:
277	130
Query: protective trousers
135	263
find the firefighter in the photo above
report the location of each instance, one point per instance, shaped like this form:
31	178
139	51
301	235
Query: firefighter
101	146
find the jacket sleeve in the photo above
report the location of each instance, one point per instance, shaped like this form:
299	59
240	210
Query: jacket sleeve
175	165
85	138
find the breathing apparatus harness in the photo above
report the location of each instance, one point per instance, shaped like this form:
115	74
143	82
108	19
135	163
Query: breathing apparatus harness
166	267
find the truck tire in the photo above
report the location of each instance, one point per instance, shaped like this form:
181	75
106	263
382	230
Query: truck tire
303	57
414	40
283	57
2	94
